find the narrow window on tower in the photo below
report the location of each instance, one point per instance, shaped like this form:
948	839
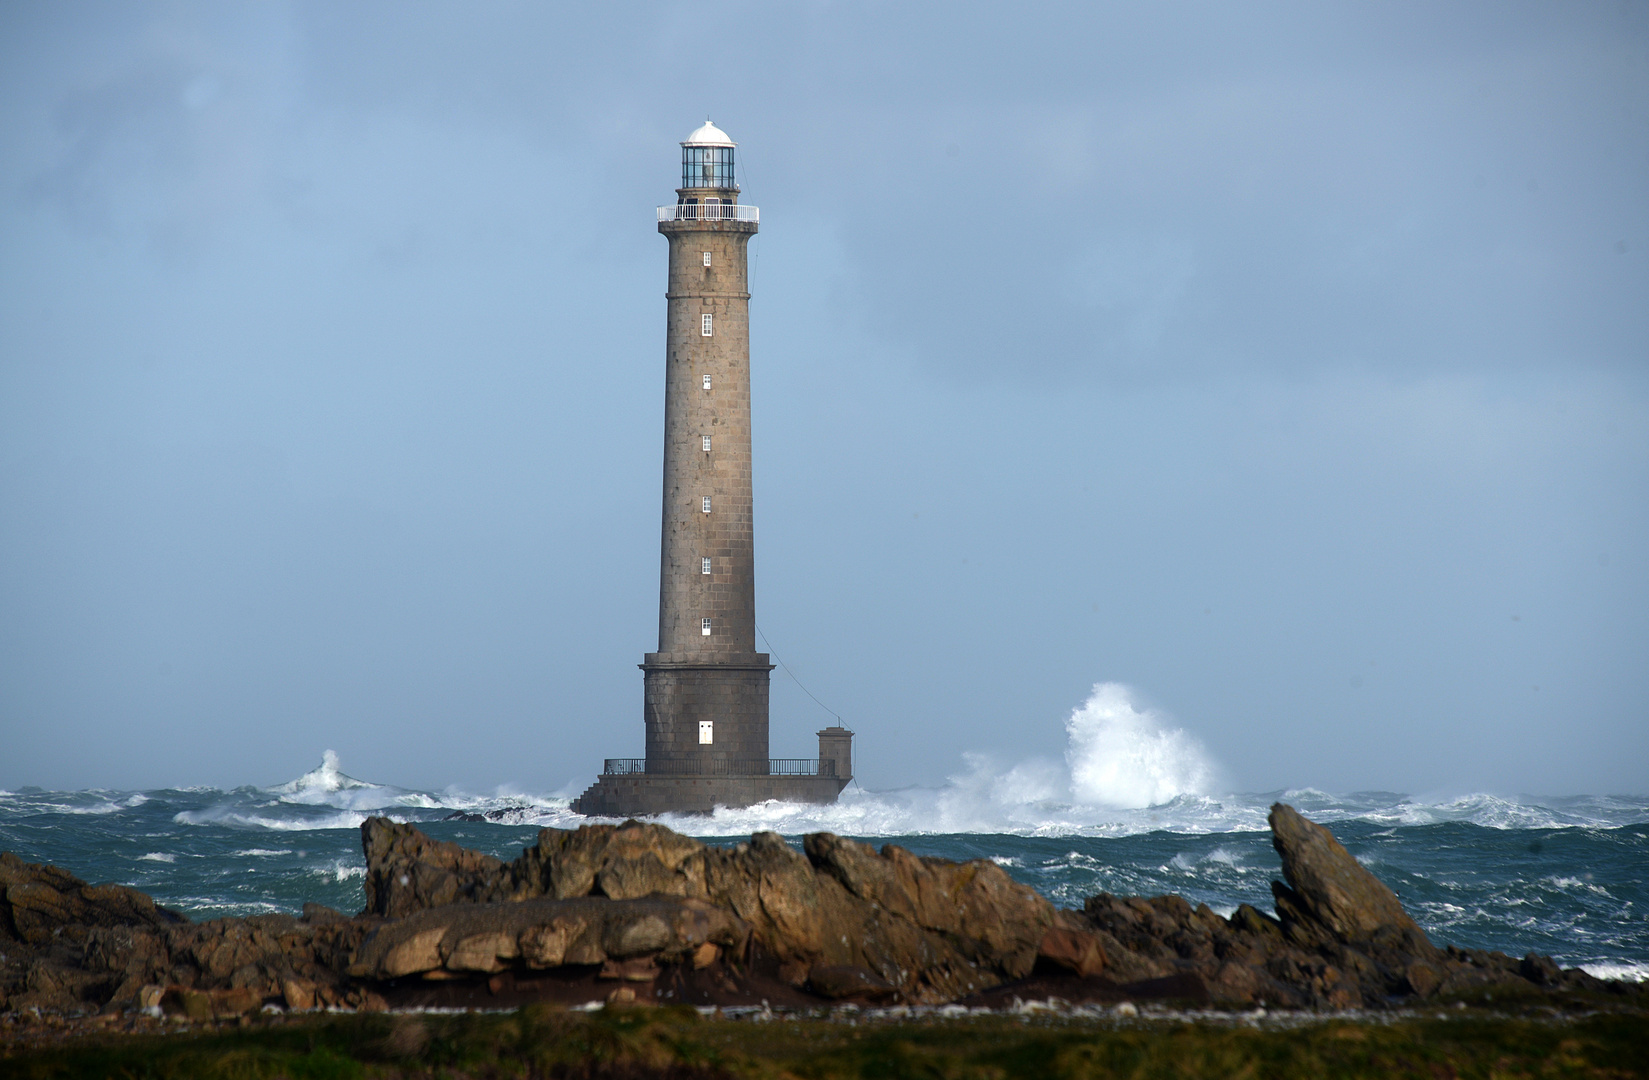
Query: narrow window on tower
704	323
707	504
704	566
705	630
707	732
707	382
707	444
706	258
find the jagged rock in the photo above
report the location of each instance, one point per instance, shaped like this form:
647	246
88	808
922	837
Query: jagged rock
931	928
975	905
1341	938
1333	891
407	870
1076	950
39	902
319	913
621	862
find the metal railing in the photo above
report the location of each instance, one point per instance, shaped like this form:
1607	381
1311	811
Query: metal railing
718	767
800	766
710	212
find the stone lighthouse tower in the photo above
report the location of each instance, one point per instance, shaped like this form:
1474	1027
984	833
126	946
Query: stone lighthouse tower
705	702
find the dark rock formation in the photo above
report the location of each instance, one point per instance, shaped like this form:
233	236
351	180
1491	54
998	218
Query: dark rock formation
40	902
407	871
926	930
638	912
66	945
1330	888
1340	939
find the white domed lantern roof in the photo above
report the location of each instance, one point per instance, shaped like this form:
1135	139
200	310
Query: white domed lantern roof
708	134
707	160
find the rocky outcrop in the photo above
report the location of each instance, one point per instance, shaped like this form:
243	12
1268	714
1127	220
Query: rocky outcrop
626	902
39	903
407	871
1340	938
67	946
661	916
888	923
1330	889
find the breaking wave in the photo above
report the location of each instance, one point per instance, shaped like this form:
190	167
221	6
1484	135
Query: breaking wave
324	784
1121	755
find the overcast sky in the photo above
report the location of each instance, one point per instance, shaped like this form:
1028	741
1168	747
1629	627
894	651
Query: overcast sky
1287	362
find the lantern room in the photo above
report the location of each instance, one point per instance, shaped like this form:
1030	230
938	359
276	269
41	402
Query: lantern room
707	159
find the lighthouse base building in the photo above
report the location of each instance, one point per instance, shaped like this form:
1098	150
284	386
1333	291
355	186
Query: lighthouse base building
705	704
630	787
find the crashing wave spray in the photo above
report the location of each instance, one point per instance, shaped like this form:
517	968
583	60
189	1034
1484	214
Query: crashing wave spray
317	785
1128	768
1124	756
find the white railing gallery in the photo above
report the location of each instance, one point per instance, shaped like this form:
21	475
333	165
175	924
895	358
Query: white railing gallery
709	212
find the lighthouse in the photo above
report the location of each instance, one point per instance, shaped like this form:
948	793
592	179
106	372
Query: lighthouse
705	698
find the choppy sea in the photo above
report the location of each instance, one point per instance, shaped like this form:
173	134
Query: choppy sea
1564	876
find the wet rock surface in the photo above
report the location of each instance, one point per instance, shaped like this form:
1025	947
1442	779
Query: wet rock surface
636	912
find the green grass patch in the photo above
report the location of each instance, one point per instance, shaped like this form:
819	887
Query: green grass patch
680	1044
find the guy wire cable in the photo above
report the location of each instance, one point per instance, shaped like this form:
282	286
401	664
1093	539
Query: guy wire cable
792	674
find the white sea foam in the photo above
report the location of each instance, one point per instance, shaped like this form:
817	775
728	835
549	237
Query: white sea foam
328	785
1629	972
1125	756
1478	808
977	801
96	809
216	906
1567	883
1187	862
340	871
236	818
1225	858
157	856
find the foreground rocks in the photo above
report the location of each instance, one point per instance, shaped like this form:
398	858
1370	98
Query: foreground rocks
839	920
1340	939
637	912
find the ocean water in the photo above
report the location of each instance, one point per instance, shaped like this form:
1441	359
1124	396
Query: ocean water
1132	810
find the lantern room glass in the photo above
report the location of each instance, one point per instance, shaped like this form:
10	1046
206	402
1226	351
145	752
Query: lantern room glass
707	167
